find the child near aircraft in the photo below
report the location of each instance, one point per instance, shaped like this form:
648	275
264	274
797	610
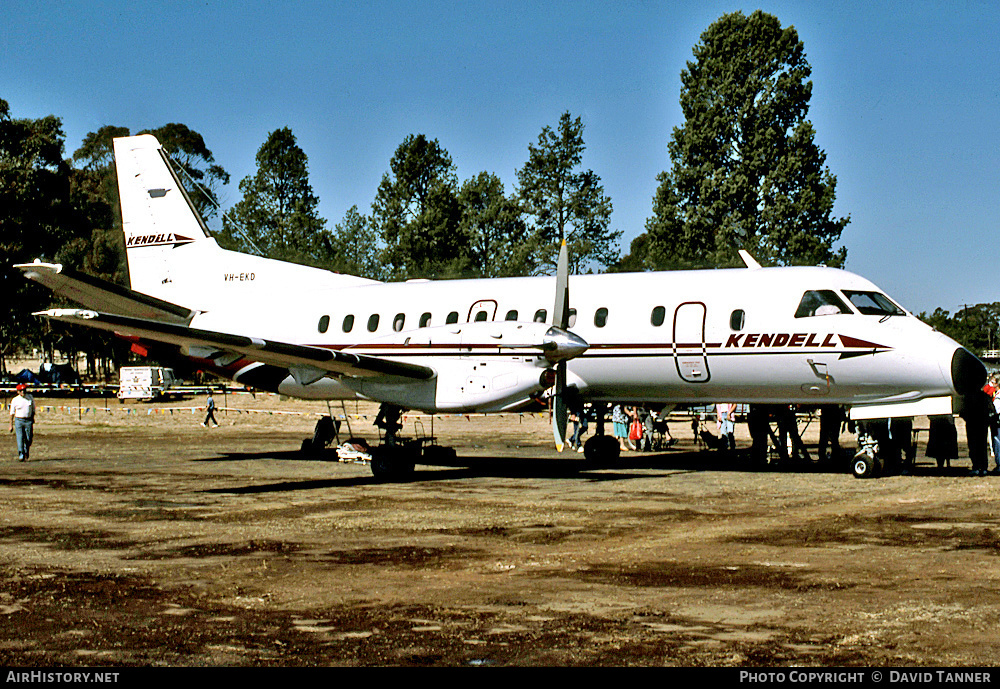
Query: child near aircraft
210	416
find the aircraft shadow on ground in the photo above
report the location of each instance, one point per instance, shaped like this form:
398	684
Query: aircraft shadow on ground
627	467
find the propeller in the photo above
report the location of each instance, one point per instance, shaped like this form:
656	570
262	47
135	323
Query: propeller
560	319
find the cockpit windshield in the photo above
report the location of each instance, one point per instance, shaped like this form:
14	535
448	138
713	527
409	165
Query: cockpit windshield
873	303
821	302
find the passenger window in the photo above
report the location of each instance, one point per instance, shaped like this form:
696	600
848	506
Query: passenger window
373	323
736	319
324	323
397	322
821	302
425	320
348	323
511	315
452	318
572	318
480	316
541	316
656	318
601	317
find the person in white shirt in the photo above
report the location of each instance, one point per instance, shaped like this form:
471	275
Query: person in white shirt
22	420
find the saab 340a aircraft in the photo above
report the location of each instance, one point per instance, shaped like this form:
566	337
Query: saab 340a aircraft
790	335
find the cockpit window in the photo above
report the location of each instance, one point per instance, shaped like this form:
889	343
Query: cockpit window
821	302
873	304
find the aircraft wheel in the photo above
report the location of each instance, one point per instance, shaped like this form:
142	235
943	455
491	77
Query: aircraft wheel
392	463
866	467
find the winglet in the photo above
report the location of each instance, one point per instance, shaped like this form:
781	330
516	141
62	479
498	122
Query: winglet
749	260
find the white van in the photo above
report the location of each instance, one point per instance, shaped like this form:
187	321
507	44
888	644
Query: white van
144	382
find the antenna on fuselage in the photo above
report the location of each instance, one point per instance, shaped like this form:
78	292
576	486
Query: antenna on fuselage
749	260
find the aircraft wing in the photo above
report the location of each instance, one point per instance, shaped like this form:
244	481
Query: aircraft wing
304	361
102	295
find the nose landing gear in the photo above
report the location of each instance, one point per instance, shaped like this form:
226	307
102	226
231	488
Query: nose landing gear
885	446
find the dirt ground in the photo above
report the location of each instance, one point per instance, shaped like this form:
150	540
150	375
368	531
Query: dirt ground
137	537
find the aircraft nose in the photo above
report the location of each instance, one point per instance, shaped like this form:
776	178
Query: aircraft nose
968	373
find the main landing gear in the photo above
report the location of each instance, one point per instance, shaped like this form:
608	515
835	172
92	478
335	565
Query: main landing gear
394	460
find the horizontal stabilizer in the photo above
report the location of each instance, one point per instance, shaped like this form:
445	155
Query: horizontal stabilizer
102	295
295	357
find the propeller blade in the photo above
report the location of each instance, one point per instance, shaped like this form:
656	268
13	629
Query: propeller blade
560	313
560	410
560	319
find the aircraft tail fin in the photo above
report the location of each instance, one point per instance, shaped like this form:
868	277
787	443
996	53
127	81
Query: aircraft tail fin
158	216
171	253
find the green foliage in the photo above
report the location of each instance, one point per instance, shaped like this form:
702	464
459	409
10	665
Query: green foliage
498	236
746	172
36	218
101	252
70	214
354	247
977	328
187	148
417	215
565	203
278	211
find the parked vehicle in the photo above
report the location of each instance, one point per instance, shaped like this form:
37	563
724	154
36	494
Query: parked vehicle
144	382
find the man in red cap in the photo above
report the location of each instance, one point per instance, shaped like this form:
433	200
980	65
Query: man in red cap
22	420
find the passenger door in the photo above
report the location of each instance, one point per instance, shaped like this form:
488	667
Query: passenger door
482	310
690	355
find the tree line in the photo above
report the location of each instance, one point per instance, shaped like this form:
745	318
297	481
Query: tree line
744	172
424	222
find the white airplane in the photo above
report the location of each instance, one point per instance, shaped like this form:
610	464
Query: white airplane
790	335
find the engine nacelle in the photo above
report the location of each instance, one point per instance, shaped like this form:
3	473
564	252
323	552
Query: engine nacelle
486	366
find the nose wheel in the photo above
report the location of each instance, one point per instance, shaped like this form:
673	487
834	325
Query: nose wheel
865	466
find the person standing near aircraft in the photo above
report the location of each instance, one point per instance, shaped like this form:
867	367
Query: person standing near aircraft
831	419
993	391
727	428
579	421
22	421
620	421
210	416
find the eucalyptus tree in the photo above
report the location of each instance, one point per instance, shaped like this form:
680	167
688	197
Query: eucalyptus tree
746	171
37	217
417	214
494	224
278	213
565	202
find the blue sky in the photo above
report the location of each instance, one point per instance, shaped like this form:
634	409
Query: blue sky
906	100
